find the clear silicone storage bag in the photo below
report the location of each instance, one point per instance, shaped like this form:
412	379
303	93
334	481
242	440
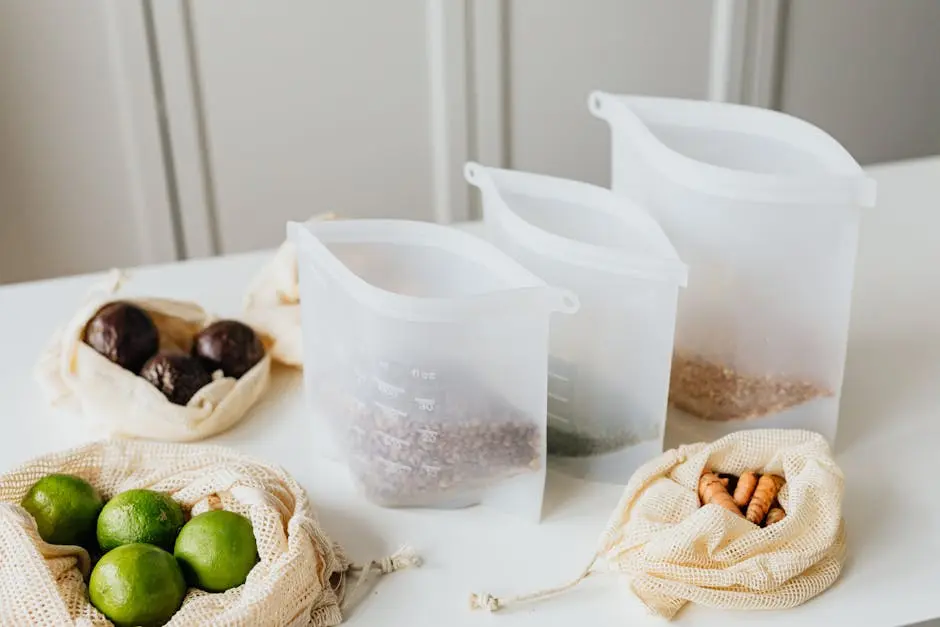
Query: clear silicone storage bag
425	362
608	373
765	208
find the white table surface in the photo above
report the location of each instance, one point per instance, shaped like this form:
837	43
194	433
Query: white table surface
888	446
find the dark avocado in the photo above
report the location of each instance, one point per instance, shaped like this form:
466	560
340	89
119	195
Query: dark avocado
124	333
229	346
177	375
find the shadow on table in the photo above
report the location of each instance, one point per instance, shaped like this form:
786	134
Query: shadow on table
361	543
265	421
569	498
884	376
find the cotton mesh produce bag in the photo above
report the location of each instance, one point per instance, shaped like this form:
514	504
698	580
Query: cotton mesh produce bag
300	579
272	304
675	551
116	401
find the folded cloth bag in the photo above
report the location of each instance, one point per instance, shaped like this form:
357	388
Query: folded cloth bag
272	304
676	551
300	579
120	403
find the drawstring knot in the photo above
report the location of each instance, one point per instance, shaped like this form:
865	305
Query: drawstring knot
403	558
484	601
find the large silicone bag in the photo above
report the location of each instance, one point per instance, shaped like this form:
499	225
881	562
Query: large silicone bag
608	374
425	352
765	209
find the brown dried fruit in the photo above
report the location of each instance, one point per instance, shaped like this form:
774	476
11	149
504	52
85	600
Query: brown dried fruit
177	375
124	333
229	346
712	391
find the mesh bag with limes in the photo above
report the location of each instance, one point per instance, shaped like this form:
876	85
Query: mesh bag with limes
299	580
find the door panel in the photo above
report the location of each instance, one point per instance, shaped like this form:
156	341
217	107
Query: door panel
82	185
559	51
867	72
313	106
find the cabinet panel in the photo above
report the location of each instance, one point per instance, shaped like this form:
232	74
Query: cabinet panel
82	185
866	71
313	106
559	51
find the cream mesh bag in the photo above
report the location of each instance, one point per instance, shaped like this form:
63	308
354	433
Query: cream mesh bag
272	304
676	551
119	403
300	579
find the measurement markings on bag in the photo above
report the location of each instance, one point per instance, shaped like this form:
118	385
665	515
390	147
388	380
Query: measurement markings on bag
425	404
394	468
388	389
391	441
428	436
423	375
391	412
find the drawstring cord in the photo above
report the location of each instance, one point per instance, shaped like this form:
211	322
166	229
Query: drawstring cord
490	603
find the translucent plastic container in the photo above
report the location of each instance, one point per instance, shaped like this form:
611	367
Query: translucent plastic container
765	209
425	361
609	363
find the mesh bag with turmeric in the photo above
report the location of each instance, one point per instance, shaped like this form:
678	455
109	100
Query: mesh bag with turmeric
677	551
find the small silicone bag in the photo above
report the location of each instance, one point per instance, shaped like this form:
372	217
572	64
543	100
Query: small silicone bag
425	356
765	209
609	363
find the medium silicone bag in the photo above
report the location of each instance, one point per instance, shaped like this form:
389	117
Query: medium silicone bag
764	208
425	357
609	363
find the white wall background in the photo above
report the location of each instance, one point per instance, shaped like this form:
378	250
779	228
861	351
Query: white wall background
82	184
868	72
559	51
137	131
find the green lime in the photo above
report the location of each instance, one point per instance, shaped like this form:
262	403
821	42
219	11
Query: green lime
65	508
137	584
140	516
216	550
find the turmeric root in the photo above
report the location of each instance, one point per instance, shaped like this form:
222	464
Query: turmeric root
764	495
712	490
775	515
747	483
